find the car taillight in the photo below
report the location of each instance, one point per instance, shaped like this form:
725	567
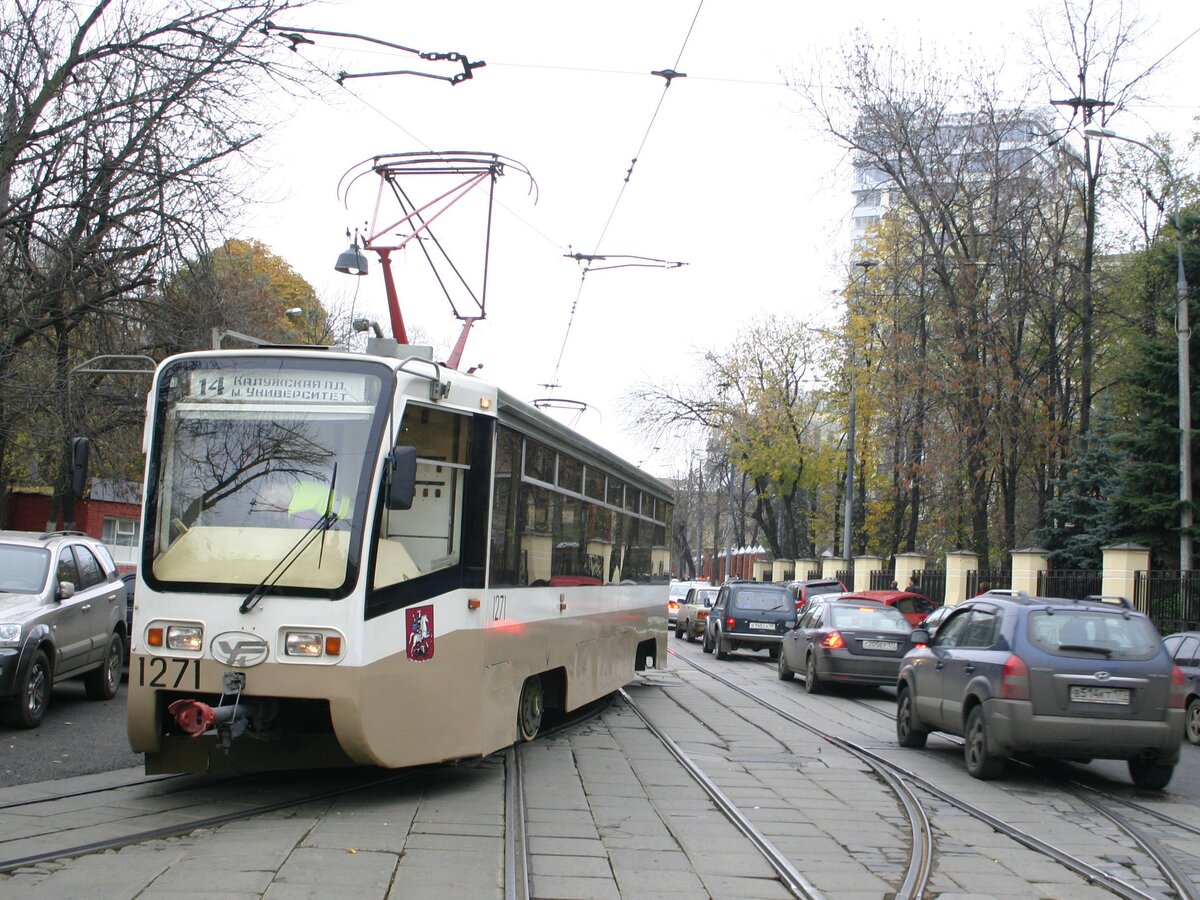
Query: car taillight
1179	690
702	614
730	623
1014	681
834	641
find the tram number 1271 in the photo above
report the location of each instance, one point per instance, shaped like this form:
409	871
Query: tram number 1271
159	671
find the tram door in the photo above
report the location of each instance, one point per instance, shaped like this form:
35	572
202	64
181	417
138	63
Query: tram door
431	530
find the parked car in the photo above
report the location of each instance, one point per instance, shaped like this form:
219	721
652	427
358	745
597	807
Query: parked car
675	596
692	616
801	591
1184	647
845	641
915	607
129	579
749	614
61	615
1072	679
934	620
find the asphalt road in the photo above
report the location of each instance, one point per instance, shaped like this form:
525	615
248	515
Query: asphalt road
78	737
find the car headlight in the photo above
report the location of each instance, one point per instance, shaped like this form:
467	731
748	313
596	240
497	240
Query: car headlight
10	635
304	643
185	637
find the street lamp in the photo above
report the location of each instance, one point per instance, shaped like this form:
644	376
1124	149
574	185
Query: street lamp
1182	335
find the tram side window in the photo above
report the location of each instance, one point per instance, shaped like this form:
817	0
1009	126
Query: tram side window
428	537
503	566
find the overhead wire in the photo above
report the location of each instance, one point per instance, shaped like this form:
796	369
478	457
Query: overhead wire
621	191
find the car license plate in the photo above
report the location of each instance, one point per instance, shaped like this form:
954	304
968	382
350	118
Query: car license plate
1088	694
763	626
880	645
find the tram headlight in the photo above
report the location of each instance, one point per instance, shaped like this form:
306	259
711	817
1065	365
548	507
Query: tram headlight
304	643
185	637
10	634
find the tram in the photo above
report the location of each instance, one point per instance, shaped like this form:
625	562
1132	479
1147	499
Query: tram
373	559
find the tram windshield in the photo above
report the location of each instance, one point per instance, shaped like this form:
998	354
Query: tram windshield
250	453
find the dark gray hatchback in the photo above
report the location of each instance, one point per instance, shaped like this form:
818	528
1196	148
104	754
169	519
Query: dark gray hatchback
751	614
1076	680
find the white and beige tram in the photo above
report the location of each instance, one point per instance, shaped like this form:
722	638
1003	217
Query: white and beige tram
356	559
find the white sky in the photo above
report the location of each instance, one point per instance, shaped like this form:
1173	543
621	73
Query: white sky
734	179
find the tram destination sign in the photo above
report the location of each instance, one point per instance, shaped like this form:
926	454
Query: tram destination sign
259	386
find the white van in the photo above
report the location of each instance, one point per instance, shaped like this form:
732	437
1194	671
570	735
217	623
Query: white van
679	590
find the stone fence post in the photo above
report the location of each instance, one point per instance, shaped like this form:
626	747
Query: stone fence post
959	565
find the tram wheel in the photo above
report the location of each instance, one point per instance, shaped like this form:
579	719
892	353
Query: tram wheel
531	707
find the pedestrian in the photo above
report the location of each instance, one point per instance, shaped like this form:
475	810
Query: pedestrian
984	587
914	584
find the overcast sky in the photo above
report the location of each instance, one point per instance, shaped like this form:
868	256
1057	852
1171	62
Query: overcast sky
732	177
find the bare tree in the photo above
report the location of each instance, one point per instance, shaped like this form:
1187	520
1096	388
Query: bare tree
122	127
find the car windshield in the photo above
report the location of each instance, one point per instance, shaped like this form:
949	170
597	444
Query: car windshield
868	618
762	600
705	598
1073	632
23	569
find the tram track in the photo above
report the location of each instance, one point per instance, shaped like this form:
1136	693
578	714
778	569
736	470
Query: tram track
1180	883
65	843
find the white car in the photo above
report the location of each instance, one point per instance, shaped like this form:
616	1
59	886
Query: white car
692	615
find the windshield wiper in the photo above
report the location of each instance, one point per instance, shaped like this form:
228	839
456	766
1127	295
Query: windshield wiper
1086	648
324	523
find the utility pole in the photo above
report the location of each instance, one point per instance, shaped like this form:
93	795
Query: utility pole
848	524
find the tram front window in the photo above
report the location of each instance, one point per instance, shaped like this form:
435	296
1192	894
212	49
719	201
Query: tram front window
249	458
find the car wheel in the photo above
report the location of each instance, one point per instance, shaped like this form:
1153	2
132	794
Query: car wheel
690	633
28	708
102	683
678	629
773	652
722	648
706	644
530	708
980	763
907	732
1192	729
1149	775
812	681
785	672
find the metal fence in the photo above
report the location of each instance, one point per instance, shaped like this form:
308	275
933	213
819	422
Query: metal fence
882	579
932	584
985	579
1072	584
1170	598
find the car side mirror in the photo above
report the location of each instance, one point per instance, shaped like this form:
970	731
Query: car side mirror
920	636
401	477
66	590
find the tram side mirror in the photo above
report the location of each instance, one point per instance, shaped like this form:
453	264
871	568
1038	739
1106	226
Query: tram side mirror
81	448
402	478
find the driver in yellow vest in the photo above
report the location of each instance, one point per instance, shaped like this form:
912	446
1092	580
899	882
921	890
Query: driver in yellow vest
310	499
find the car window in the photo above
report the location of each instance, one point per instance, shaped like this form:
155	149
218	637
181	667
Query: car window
982	630
875	618
66	570
704	598
1188	653
1071	632
817	589
23	569
90	572
762	600
952	631
921	605
905	605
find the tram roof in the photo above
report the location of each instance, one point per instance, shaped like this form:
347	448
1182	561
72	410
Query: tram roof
545	428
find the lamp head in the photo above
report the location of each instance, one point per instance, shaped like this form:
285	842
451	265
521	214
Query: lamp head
351	261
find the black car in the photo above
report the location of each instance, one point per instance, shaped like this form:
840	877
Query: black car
749	614
839	641
1184	646
1072	679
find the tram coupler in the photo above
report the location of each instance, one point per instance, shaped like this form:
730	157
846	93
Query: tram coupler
229	721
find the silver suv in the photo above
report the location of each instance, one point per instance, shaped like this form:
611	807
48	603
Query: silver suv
62	614
1073	679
